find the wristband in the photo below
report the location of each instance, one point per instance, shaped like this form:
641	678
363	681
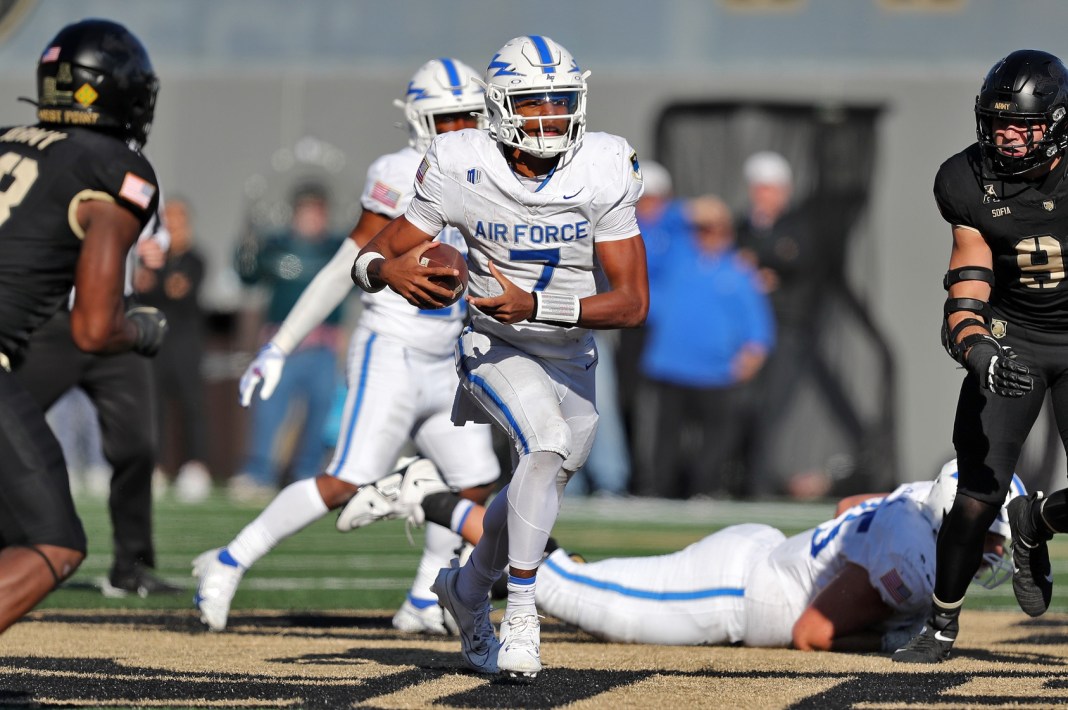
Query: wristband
359	271
556	308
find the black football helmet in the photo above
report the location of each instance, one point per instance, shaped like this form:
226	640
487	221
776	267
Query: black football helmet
95	73
1030	88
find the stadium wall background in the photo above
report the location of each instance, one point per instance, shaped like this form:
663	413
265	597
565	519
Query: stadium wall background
244	81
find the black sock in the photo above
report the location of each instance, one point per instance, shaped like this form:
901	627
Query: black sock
960	546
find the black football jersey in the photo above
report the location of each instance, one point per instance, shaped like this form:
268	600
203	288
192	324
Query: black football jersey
1026	227
45	173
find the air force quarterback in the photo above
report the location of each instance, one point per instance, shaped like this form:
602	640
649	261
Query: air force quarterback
543	206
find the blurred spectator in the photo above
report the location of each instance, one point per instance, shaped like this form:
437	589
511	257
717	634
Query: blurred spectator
663	221
775	237
708	333
607	471
285	263
173	289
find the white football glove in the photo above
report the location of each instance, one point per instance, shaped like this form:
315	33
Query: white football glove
266	368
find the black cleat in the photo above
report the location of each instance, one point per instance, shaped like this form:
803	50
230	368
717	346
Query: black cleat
1032	575
137	580
932	644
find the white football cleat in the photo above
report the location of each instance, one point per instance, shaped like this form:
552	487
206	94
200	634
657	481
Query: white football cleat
431	620
376	501
478	639
421	478
520	655
370	504
216	585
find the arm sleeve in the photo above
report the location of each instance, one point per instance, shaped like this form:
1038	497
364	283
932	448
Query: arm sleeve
328	289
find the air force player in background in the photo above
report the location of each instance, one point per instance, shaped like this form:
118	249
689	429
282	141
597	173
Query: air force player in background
859	582
401	378
542	205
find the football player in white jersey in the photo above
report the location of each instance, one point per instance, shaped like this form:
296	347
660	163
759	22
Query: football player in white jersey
858	582
544	206
401	379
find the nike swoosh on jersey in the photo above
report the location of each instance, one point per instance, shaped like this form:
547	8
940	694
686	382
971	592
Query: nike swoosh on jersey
568	197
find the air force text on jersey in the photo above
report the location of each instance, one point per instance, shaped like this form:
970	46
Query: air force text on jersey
532	233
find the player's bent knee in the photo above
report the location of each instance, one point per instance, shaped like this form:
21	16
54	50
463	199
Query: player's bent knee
335	492
62	562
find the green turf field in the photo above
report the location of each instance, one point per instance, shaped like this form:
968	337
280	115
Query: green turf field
371	568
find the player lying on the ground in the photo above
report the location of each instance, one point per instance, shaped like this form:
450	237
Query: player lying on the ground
859	582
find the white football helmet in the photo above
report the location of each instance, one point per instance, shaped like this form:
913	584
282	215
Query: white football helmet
535	66
998	568
438	87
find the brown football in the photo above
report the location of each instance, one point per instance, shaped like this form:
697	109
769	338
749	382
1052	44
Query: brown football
442	254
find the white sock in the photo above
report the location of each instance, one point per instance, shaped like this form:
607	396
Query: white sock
521	596
440	547
459	515
296	506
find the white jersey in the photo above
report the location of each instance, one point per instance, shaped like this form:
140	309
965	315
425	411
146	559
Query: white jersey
540	236
747	584
387	191
889	537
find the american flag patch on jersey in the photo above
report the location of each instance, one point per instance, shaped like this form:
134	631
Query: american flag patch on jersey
51	54
895	586
137	191
421	172
385	194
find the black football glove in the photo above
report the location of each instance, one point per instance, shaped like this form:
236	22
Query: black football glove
997	368
151	329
